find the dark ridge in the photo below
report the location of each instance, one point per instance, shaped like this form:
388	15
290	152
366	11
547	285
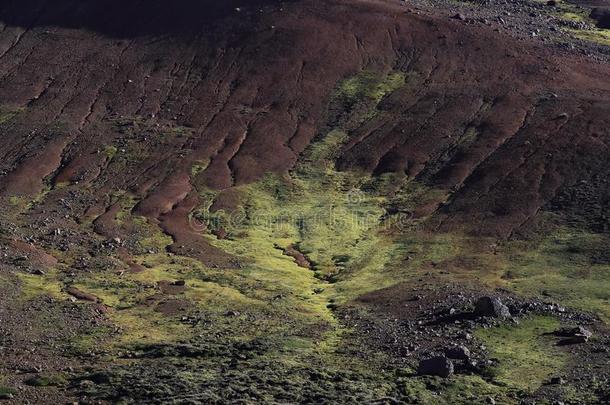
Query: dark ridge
126	19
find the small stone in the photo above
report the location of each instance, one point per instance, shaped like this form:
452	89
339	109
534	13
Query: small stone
459	16
557	381
458	352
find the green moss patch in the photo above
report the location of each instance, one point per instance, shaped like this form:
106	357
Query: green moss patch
526	357
7	114
600	36
46	381
567	265
370	85
460	389
7	392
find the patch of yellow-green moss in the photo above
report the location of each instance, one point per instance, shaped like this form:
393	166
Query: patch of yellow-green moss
110	151
34	285
567	265
370	85
600	36
526	355
8	113
199	167
459	389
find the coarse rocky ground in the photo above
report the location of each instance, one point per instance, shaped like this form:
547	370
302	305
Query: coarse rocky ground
336	201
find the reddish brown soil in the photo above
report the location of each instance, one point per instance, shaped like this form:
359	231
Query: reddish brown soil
36	257
251	88
99	99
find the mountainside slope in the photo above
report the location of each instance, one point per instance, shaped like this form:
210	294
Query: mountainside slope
297	201
251	90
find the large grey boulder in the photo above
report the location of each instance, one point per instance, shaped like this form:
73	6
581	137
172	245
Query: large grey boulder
440	366
491	307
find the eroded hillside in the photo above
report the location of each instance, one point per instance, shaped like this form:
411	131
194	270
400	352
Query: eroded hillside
297	201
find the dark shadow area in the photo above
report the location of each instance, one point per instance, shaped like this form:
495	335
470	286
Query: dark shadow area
125	18
602	17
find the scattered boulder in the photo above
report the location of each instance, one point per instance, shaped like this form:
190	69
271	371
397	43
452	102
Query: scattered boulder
458	352
491	307
574	335
459	16
439	366
97	378
81	295
602	17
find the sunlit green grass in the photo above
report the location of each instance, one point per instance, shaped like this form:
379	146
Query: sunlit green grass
526	357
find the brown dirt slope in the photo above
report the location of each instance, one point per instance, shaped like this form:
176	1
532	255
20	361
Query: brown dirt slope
241	88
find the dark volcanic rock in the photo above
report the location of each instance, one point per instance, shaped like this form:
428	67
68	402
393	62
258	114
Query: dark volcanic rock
602	16
574	335
491	307
440	366
458	352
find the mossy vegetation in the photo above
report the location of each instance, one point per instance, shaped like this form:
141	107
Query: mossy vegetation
34	285
569	265
323	212
570	13
526	358
271	322
566	265
357	98
47	381
7	392
371	85
461	389
199	167
601	36
8	113
110	151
